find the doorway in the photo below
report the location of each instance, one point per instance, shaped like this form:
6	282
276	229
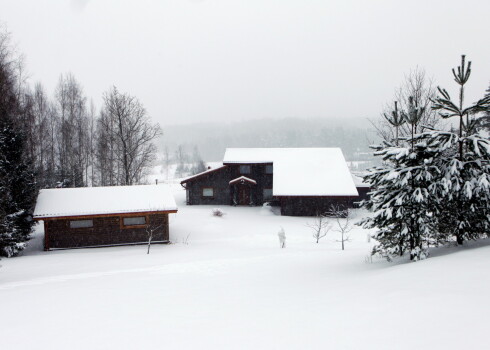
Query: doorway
243	194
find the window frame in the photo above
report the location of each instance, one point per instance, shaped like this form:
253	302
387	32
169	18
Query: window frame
248	166
123	225
81	227
207	188
269	198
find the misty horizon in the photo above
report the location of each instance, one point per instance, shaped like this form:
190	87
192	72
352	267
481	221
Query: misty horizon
213	61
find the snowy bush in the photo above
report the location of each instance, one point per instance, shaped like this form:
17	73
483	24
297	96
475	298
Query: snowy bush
218	212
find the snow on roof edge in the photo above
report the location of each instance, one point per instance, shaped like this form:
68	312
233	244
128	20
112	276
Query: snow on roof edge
201	174
93	201
243	178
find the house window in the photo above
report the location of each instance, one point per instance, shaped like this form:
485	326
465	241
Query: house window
268	169
135	220
267	194
208	192
244	169
81	223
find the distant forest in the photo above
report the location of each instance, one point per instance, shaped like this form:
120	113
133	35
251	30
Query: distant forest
211	139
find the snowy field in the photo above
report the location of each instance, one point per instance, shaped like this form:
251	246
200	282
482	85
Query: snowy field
224	283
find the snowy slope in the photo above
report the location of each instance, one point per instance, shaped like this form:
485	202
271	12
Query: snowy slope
231	287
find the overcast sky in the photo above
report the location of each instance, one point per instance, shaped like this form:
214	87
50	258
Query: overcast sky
213	60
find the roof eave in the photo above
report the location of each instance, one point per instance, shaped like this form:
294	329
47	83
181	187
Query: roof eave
88	215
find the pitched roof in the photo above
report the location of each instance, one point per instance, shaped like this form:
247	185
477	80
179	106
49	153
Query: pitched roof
206	172
359	181
243	179
300	171
60	202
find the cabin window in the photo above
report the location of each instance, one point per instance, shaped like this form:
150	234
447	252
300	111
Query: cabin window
244	169
267	194
268	169
135	220
81	223
208	192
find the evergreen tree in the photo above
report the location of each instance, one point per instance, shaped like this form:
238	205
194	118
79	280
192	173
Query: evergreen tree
17	190
396	120
465	167
401	200
17	186
484	121
436	187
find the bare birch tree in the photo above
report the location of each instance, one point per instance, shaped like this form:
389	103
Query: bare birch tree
72	150
126	123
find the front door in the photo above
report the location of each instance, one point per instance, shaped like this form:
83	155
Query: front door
243	195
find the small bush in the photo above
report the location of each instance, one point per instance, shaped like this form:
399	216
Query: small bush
218	212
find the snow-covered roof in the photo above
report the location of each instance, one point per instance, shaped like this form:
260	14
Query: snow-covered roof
243	178
300	171
60	202
184	180
359	181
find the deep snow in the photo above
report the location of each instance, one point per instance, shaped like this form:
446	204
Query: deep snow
224	283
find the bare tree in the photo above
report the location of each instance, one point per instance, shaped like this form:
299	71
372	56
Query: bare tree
127	124
343	223
91	144
166	155
72	114
198	165
151	229
181	158
417	89
105	151
320	226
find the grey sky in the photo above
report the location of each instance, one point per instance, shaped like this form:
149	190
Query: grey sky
211	60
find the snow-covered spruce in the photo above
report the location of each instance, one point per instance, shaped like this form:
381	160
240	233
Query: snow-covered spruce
428	196
401	199
17	190
17	185
463	201
465	165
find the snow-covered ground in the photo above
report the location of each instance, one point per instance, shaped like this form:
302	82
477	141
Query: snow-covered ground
224	283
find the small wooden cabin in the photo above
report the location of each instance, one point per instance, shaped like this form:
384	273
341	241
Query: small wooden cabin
104	216
302	181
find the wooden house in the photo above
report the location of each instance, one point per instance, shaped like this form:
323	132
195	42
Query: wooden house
104	216
362	187
302	181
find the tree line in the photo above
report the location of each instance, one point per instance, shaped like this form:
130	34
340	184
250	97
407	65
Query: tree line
62	140
433	186
70	144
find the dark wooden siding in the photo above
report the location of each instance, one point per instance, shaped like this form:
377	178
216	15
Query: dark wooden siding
224	193
312	206
363	195
107	230
257	173
218	180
